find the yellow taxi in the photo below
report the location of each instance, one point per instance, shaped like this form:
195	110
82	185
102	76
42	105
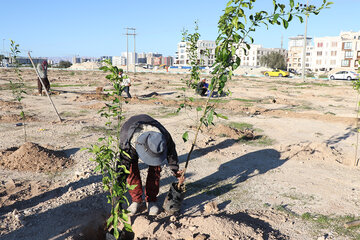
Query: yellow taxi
276	73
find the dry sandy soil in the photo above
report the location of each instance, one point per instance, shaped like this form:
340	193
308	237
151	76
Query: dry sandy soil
294	180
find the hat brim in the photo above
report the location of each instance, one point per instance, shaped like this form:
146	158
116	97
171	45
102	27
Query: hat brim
147	156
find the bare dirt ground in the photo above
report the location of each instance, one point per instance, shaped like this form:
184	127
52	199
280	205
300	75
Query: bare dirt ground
294	178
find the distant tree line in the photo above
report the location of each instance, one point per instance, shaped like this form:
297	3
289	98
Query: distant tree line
273	60
64	64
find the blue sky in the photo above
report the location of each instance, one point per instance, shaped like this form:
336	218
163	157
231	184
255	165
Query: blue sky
95	28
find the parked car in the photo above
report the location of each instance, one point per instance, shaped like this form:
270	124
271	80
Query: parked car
293	71
349	75
276	73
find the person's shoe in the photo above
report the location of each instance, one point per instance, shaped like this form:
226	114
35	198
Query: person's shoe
153	209
134	208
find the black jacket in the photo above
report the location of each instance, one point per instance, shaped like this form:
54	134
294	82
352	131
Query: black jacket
127	131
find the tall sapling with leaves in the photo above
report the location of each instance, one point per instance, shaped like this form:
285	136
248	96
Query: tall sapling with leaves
108	155
235	27
17	88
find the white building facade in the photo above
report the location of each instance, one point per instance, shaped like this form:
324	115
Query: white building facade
295	53
119	61
205	52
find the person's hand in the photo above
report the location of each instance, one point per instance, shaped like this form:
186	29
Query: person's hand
180	176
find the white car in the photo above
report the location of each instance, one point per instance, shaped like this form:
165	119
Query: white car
349	75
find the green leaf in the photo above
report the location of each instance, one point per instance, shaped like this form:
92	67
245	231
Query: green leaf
116	233
198	109
301	19
109	221
220	116
291	3
276	16
290	17
185	136
132	187
285	23
127	227
210	117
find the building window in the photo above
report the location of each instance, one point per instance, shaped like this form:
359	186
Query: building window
345	63
333	44
347	45
333	53
318	62
358	54
320	44
356	63
319	53
307	54
332	62
348	54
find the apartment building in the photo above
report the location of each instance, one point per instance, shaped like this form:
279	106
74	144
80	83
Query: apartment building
295	53
205	52
326	53
119	61
350	50
254	54
168	61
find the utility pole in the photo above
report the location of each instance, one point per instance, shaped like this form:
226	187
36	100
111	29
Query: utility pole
304	47
127	48
134	54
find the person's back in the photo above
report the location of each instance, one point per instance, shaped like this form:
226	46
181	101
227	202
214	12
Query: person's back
42	70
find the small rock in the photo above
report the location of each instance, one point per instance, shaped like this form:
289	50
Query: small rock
192	228
27	212
211	208
200	237
171	225
9	184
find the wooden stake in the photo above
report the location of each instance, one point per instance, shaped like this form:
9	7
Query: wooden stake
43	85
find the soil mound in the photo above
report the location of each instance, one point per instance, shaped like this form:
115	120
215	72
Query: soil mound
218	226
32	157
230	132
311	151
